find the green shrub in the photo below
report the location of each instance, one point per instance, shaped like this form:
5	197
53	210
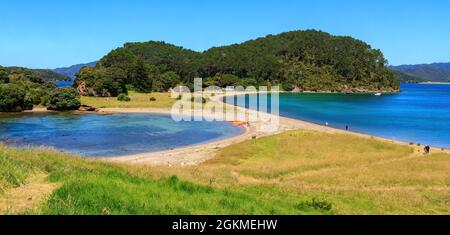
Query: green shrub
63	99
14	99
315	204
152	99
38	96
123	97
287	86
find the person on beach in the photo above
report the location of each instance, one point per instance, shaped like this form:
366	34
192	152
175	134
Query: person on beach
346	127
426	150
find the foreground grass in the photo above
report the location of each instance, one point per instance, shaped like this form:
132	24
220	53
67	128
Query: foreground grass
138	100
356	175
293	173
91	187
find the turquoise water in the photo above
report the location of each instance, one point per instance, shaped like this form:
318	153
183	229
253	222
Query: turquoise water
108	135
419	114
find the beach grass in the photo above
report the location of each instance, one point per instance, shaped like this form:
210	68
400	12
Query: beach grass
138	100
298	172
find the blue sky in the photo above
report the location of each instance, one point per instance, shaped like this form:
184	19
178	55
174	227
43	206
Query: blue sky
54	33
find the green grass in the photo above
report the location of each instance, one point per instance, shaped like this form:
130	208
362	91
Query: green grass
92	187
297	172
138	100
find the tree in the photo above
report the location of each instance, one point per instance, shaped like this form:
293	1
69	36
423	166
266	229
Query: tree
38	95
140	77
63	99
4	78
169	80
14	99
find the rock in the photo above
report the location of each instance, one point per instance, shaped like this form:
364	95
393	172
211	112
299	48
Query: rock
87	108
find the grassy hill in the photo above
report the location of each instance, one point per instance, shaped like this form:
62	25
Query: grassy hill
325	174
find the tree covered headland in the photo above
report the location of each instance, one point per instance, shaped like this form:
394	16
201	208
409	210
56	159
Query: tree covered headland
21	88
303	60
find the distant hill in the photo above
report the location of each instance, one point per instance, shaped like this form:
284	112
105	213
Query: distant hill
46	75
74	69
437	72
406	78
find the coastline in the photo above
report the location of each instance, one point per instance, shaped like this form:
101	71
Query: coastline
198	153
435	83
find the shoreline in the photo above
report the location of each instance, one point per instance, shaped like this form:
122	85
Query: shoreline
198	153
434	83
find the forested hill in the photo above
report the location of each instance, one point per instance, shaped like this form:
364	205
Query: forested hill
407	78
37	74
306	60
437	72
71	71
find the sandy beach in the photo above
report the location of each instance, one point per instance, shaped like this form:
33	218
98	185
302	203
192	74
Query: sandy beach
196	154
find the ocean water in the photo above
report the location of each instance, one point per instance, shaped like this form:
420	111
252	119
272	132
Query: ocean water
63	83
419	114
108	135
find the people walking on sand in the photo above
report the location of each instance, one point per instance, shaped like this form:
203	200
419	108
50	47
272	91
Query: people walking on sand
426	150
346	127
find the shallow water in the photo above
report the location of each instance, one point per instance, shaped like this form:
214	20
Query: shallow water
420	113
108	135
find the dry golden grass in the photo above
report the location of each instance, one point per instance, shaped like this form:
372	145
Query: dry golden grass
138	100
26	197
358	175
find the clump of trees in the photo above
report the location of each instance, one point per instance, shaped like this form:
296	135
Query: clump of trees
307	60
14	98
21	88
63	99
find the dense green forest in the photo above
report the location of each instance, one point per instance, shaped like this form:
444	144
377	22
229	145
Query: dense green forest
307	60
21	88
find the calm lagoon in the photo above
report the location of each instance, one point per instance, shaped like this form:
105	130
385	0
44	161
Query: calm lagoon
108	135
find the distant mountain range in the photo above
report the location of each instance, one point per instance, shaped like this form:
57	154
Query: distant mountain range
436	72
74	69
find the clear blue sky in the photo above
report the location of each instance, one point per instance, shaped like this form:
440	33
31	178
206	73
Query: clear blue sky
53	33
